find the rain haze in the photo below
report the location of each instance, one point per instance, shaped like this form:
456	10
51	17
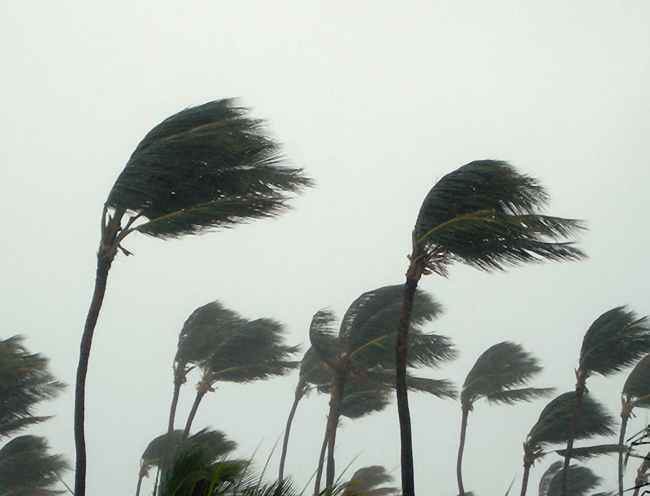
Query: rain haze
376	101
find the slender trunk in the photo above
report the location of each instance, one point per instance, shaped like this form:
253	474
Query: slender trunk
625	415
577	412
641	476
137	489
332	424
190	418
461	448
178	382
321	464
408	477
285	444
103	267
524	482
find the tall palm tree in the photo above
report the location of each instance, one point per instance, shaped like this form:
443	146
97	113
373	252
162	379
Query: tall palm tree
362	346
636	393
615	340
486	215
313	372
25	381
497	376
242	351
555	424
204	168
26	467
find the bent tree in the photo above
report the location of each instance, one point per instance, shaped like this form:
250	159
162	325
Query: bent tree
488	216
204	168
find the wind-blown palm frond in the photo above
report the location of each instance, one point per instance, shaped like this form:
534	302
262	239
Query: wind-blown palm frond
580	480
26	467
323	338
367	481
615	340
360	400
589	452
25	381
441	388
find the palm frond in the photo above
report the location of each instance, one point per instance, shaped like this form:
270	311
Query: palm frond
441	388
313	370
636	389
615	340
360	400
580	480
367	481
203	168
554	424
487	215
512	396
323	337
589	452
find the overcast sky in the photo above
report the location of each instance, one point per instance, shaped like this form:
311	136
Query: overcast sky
376	100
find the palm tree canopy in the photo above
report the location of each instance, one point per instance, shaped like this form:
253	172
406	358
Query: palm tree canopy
487	215
313	370
27	469
615	340
24	382
637	386
367	481
554	424
497	375
205	167
580	481
366	337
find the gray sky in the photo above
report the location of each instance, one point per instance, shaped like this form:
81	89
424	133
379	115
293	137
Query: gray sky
376	100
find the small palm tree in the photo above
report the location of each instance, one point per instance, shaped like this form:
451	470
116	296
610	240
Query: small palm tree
497	376
555	424
636	393
25	381
362	347
26	467
242	351
486	215
204	168
615	340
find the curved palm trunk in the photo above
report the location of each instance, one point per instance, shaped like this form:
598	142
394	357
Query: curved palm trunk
408	477
285	444
103	267
190	418
524	482
137	489
461	448
621	441
321	465
178	382
332	425
580	391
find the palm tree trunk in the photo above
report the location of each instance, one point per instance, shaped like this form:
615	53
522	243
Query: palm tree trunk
580	391
332	424
461	448
524	482
408	477
103	267
285	444
178	382
621	441
190	418
321	464
137	489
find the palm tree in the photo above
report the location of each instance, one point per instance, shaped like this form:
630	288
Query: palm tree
25	381
204	168
313	372
636	393
26	467
361	347
580	480
497	376
367	481
242	351
555	424
486	215
615	340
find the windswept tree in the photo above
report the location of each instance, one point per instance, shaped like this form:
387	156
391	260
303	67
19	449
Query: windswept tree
204	168
362	347
498	376
242	351
555	424
488	216
615	340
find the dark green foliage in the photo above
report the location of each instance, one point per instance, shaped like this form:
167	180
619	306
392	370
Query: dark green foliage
589	452
205	167
497	375
487	215
636	390
615	340
25	381
367	481
27	469
580	480
554	422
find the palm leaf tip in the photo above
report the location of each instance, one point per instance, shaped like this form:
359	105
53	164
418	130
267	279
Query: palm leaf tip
615	340
204	168
487	215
